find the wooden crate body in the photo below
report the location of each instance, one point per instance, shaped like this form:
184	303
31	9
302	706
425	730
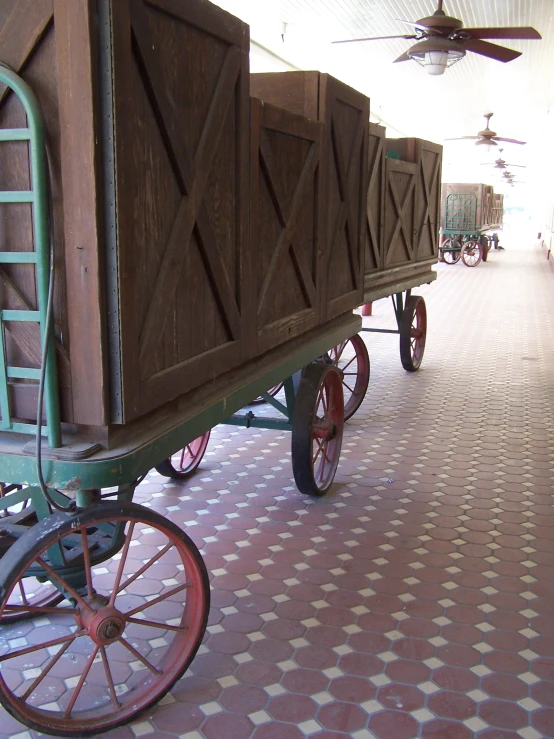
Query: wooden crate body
181	127
403	210
428	157
498	209
285	223
345	113
481	210
147	117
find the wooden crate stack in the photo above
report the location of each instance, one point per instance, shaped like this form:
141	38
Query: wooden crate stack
195	228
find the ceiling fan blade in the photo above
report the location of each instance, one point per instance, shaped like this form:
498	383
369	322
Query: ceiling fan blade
402	58
514	32
371	38
510	141
492	51
461	138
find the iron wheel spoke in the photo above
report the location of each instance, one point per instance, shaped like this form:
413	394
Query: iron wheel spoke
122	561
139	656
156	624
79	686
143	569
38	647
109	677
31	689
157	600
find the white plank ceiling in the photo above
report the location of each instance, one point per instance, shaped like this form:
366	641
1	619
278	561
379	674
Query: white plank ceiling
297	34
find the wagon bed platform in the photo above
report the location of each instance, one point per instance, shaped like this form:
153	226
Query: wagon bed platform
131	450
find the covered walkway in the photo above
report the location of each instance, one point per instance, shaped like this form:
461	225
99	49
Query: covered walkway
417	598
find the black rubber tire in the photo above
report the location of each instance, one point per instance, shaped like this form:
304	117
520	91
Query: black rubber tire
412	346
318	379
47	533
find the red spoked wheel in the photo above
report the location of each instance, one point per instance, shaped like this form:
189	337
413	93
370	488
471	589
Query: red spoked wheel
413	332
135	611
352	359
184	462
30	593
451	251
317	428
471	253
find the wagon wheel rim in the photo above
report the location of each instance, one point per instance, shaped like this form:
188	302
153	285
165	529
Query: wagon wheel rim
451	257
191	454
418	333
327	430
352	359
185	461
121	637
30	593
471	254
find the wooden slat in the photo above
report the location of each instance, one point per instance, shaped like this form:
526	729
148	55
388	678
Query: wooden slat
75	43
375	199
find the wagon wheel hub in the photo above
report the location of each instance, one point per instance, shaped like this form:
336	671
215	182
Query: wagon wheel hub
104	625
325	431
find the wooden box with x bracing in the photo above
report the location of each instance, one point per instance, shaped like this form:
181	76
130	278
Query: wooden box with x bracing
147	118
403	208
343	176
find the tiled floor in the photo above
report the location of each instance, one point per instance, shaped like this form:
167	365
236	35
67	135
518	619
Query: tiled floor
417	598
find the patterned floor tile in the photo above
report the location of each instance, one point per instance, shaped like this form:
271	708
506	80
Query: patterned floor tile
417	598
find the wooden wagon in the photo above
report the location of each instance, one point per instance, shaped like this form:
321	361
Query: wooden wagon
468	211
169	249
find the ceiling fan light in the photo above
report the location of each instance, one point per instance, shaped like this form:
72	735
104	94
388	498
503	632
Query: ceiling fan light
436	54
486	143
435	62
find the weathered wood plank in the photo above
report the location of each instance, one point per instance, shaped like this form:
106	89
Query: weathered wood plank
76	62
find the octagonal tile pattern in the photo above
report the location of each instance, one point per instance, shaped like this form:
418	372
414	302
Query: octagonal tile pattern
417	598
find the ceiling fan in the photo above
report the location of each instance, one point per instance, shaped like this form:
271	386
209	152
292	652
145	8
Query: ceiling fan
501	163
509	179
488	137
442	40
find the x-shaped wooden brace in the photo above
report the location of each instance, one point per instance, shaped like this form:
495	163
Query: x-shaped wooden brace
401	209
192	175
345	218
23	31
428	185
288	216
375	182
